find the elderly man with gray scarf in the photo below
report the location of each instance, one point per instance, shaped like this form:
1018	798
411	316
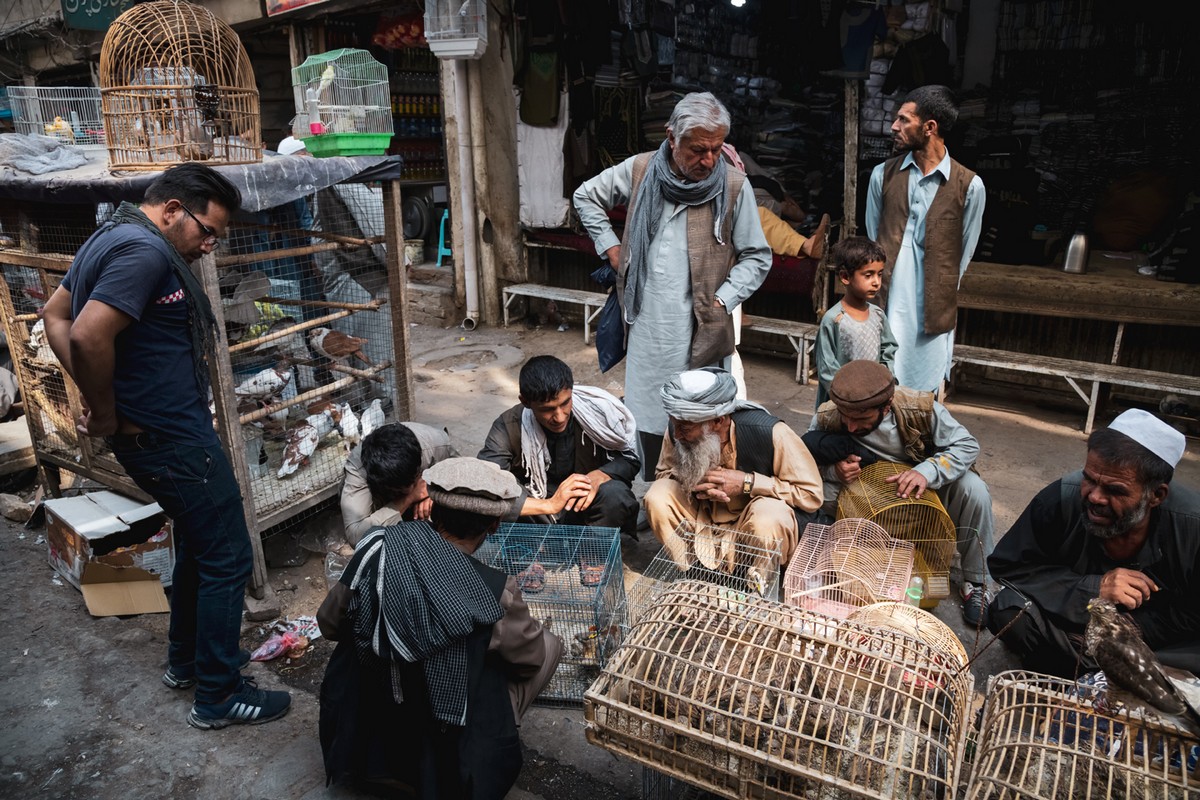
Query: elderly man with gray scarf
739	476
692	251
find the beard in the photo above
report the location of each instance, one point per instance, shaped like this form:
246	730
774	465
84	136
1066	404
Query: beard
1119	525
696	458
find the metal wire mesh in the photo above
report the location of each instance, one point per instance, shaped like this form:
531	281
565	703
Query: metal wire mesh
571	578
720	556
176	85
70	114
341	92
921	520
1045	737
851	563
757	699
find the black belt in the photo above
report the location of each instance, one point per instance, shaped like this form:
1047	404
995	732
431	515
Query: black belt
143	440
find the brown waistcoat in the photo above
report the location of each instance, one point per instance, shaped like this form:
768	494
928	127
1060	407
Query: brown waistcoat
943	239
708	261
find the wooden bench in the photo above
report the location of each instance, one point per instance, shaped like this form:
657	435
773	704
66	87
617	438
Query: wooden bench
592	302
1072	371
801	335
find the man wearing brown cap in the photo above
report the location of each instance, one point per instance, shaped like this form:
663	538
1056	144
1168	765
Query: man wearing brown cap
910	427
438	656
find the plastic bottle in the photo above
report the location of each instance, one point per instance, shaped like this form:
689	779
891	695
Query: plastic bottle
915	591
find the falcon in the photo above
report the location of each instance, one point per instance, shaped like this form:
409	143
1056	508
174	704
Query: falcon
337	346
1116	644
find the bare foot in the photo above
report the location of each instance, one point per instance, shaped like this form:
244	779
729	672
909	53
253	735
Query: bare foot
814	246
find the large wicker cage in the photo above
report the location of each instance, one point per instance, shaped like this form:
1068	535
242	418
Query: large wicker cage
921	520
1053	739
176	85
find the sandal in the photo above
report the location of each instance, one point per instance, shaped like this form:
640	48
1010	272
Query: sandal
532	579
591	574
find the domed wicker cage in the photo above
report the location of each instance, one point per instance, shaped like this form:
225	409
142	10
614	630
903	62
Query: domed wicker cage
921	520
176	85
849	564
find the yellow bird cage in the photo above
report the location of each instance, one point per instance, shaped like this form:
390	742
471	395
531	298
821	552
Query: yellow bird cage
763	700
840	567
1046	738
921	520
176	85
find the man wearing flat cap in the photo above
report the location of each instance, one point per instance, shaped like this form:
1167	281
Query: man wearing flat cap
438	656
729	463
906	426
1117	529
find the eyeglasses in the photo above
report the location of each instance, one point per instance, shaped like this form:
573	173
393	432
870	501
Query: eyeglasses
210	236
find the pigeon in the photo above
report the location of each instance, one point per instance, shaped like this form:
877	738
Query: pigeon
321	422
301	443
349	425
1114	640
337	346
372	418
265	384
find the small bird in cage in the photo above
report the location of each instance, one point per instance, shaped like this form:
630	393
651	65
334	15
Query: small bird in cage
302	442
348	425
266	383
60	129
372	418
337	346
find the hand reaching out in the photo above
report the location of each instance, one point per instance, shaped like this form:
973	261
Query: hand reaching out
909	482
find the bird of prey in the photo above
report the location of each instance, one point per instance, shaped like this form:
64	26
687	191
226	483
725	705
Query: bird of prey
337	346
372	418
301	443
1116	644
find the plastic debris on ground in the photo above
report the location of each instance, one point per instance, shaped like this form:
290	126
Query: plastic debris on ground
288	637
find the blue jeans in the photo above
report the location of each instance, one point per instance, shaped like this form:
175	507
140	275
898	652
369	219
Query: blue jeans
213	560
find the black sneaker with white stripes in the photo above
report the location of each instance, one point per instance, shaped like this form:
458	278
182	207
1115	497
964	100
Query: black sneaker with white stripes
249	705
181	678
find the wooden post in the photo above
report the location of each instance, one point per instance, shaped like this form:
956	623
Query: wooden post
850	161
404	401
230	428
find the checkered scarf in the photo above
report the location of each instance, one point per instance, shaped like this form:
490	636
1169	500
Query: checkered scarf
416	599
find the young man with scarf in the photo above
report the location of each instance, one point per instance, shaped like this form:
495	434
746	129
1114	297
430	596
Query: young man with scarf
438	656
132	326
692	251
571	447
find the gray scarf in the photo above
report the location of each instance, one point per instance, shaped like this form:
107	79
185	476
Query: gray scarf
201	322
660	183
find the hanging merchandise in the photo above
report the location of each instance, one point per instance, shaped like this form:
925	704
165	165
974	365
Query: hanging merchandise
395	31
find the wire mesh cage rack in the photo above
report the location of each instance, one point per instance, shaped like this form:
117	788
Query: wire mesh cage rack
310	342
70	114
756	699
724	557
1052	739
657	786
456	28
176	85
921	520
840	567
571	576
343	104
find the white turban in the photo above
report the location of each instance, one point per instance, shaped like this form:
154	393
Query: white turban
699	395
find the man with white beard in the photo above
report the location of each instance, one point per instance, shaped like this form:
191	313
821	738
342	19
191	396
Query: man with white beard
1119	530
728	464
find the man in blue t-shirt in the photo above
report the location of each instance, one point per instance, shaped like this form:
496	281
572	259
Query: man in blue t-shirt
133	327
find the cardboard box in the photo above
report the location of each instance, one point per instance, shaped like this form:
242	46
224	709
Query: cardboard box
105	544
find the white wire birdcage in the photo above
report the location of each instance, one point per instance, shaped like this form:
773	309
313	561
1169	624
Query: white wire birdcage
70	114
456	28
851	563
725	557
343	104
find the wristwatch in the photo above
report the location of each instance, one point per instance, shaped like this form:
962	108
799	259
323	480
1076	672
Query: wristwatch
748	483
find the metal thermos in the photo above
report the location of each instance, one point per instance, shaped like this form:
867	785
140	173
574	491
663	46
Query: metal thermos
1077	254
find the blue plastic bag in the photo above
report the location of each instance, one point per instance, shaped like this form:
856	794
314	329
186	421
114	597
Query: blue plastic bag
610	327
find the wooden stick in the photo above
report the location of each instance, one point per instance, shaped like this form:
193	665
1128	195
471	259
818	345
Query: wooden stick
365	374
290	301
304	397
26	317
288	331
271	255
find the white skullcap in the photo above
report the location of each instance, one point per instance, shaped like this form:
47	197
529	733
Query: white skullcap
1151	433
290	146
696	380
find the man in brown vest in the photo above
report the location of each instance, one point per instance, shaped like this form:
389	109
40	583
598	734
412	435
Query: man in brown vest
925	209
692	251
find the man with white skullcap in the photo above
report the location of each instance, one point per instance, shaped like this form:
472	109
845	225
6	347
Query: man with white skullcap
729	464
1116	530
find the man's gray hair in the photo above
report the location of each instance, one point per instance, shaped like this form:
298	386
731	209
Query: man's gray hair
698	111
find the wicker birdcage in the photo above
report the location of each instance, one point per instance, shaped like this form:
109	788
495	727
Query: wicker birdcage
768	700
840	567
176	85
723	557
343	104
1047	738
921	520
571	578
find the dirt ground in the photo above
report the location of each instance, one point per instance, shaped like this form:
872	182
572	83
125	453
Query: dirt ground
84	714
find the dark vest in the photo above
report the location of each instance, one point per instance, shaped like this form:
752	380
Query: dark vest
943	239
914	419
588	455
709	262
755	447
